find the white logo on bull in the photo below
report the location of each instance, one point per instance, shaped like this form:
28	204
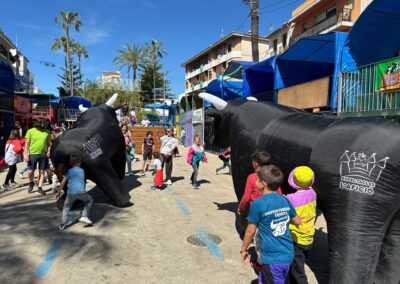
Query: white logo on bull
280	226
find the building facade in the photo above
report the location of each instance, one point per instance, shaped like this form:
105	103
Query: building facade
211	63
279	40
24	79
324	16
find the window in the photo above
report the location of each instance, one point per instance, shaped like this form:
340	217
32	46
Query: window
229	48
209	74
275	45
331	12
284	40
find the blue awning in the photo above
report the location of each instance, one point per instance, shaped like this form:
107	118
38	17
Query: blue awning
310	59
7	79
260	79
375	35
160	106
74	102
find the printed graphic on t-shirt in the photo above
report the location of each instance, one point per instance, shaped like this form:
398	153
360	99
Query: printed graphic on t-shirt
280	220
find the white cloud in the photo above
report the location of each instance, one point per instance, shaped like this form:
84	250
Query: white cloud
30	26
93	35
148	4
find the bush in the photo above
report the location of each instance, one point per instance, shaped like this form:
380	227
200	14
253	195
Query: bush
151	115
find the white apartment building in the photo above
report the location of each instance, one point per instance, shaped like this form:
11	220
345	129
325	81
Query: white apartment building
211	63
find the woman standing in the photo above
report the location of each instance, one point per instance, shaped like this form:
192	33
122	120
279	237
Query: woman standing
168	145
129	144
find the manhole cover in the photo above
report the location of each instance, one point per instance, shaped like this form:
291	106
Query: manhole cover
200	240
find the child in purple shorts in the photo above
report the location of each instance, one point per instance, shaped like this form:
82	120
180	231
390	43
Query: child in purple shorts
271	214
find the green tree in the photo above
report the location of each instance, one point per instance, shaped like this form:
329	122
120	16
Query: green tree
80	52
67	19
66	77
131	56
154	77
100	94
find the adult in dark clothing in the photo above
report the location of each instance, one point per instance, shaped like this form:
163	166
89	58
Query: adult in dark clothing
125	112
147	150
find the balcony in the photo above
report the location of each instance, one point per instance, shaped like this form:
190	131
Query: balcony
201	85
220	59
328	25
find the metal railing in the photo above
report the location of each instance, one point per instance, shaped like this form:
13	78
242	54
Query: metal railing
359	96
70	114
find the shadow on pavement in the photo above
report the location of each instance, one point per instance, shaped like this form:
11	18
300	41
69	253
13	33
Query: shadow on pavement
203	181
229	206
30	221
175	179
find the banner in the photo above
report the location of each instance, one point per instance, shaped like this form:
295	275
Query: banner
197	116
388	75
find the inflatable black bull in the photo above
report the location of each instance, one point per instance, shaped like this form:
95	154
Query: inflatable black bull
357	167
99	140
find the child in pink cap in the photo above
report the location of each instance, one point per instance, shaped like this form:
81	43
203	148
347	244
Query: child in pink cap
304	201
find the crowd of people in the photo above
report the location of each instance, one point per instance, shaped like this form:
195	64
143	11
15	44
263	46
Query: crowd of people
282	226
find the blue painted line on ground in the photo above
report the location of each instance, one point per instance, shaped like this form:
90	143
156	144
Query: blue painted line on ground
212	247
183	208
49	258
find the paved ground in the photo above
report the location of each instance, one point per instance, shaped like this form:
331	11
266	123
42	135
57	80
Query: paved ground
145	243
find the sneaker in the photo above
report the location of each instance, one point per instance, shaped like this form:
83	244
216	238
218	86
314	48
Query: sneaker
131	174
61	227
154	188
196	186
169	182
85	220
5	187
21	175
30	187
14	184
40	190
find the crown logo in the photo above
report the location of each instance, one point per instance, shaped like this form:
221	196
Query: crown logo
92	147
360	165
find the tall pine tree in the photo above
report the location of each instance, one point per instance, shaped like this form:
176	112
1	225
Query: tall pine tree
65	79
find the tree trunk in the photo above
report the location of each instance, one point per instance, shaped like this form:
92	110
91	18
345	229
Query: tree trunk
71	83
254	29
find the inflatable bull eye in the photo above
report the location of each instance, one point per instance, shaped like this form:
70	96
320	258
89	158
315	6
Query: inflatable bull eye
357	172
100	142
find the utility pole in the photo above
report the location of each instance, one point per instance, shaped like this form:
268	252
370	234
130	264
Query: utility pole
254	5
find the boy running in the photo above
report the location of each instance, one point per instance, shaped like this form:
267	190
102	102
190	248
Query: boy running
76	191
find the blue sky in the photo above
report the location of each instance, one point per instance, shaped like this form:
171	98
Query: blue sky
184	26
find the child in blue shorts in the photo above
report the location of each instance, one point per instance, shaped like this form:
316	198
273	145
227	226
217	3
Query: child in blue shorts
271	214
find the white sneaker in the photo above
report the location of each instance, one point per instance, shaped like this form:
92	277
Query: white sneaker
85	220
169	182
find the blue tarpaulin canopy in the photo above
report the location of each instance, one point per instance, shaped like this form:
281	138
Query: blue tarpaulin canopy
74	102
233	83
260	79
7	79
160	106
375	35
310	59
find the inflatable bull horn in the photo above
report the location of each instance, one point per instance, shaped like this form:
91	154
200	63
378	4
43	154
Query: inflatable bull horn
112	100
82	108
218	103
252	99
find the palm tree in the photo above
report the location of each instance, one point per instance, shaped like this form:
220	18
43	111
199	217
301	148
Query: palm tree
131	57
61	43
67	19
80	51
